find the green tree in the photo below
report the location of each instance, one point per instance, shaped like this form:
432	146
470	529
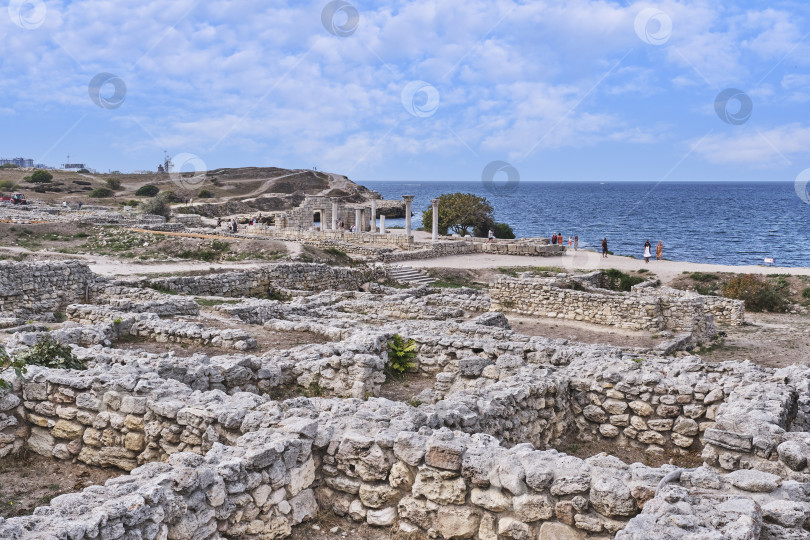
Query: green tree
41	177
158	206
113	183
501	230
458	212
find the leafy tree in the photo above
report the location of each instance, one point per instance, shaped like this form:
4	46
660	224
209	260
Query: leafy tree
148	190
113	183
501	230
458	212
9	166
158	206
205	194
41	177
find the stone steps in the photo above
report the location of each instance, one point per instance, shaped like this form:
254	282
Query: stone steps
406	274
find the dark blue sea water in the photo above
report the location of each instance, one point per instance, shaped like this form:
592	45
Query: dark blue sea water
722	222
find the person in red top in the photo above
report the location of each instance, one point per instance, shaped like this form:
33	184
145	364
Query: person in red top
554	239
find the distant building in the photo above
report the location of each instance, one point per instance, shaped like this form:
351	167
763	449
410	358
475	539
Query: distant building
74	166
19	162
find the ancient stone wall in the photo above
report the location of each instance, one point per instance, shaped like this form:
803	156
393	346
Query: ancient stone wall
644	310
258	281
42	288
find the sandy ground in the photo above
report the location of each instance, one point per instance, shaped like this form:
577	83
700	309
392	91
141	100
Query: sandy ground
666	271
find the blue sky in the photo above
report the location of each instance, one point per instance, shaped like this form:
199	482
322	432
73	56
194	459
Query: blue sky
562	90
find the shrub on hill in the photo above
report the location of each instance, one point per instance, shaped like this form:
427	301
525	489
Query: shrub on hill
148	190
757	293
101	193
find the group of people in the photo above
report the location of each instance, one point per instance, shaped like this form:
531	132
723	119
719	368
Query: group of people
559	239
233	225
659	250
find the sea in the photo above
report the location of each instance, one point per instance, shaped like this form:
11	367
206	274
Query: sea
732	223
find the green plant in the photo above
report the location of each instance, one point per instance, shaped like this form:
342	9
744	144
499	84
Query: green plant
314	389
616	280
806	293
118	320
41	177
703	277
757	293
6	362
113	183
7	184
401	355
158	206
148	190
638	361
413	402
101	193
205	194
50	353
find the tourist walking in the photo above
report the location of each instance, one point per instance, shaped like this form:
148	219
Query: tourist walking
659	251
554	239
570	241
647	251
604	248
576	243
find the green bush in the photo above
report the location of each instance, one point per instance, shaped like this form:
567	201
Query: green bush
148	190
113	183
41	177
703	277
101	193
7	362
616	280
806	293
757	293
7	184
401	356
205	194
48	352
9	166
158	206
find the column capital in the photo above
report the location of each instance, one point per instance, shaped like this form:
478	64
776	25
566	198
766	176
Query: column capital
408	198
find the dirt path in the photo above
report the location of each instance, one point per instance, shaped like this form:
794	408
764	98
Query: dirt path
666	271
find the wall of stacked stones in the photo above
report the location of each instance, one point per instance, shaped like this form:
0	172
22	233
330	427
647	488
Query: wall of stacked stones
43	287
296	276
258	488
764	425
544	298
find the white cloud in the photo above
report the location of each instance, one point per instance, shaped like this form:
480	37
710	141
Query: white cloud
760	148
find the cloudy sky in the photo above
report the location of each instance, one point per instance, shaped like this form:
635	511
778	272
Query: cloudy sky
413	90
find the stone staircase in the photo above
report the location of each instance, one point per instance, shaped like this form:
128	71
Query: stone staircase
406	274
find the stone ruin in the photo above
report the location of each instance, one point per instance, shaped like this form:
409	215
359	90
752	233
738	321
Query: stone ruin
226	445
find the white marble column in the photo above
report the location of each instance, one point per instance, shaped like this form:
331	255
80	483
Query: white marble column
358	221
382	223
373	215
435	219
408	201
334	214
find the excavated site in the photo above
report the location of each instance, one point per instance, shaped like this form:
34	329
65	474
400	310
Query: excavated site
257	415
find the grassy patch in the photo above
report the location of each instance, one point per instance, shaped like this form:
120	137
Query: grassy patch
616	280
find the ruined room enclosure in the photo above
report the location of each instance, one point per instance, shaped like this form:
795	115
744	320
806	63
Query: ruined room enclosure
250	443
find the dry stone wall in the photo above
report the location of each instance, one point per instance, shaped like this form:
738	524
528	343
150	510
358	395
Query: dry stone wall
42	287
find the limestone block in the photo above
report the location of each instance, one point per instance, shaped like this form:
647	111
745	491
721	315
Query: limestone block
457	522
492	499
434	486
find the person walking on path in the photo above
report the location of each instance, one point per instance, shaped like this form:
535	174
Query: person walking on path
647	251
554	239
570	241
604	248
659	251
576	243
